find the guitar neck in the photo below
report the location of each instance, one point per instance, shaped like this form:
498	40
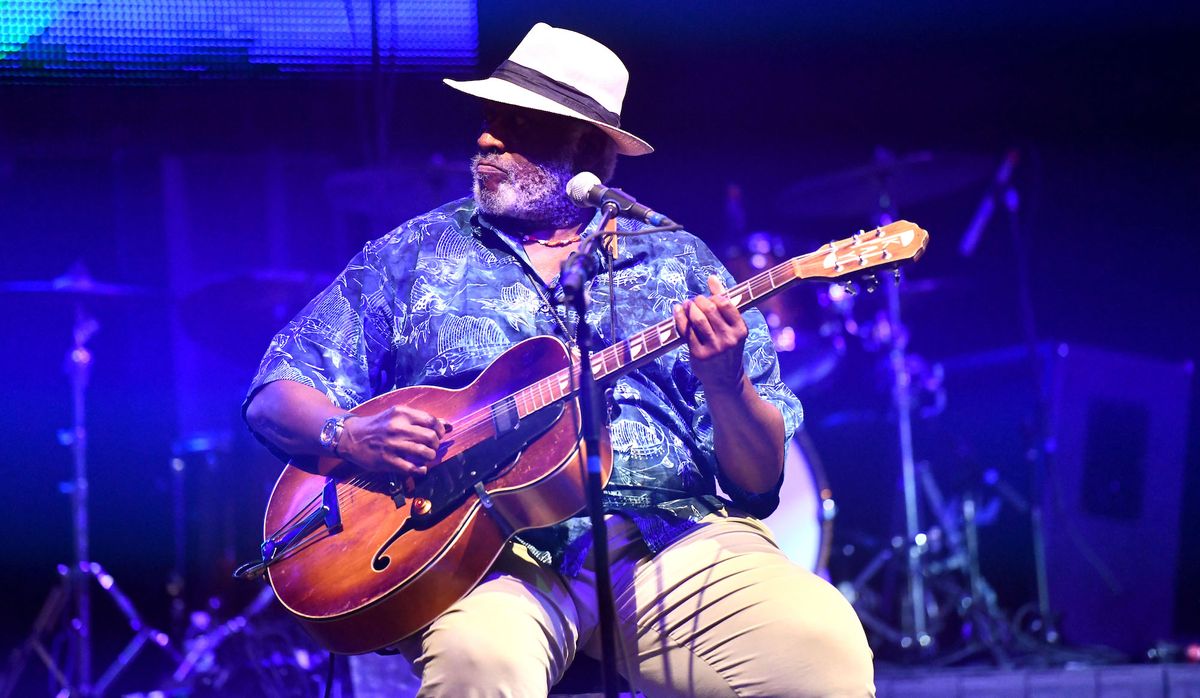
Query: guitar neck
885	246
656	340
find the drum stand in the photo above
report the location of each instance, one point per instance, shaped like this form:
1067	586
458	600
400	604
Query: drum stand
74	588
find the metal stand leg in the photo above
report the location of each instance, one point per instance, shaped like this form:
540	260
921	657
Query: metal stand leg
48	618
51	619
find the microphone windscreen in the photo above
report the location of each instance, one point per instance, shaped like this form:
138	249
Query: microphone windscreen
579	186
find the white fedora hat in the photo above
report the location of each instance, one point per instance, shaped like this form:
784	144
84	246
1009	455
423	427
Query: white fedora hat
562	72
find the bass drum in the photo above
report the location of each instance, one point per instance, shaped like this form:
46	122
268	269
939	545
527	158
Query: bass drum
803	523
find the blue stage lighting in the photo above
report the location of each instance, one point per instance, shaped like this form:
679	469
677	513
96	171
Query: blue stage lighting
56	40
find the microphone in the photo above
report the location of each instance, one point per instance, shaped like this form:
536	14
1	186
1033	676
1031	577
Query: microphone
974	231
585	191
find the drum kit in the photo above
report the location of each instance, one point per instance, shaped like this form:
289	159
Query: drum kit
917	583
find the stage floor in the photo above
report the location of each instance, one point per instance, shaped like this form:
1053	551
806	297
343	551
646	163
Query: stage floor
1123	681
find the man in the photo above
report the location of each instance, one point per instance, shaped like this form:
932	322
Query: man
706	603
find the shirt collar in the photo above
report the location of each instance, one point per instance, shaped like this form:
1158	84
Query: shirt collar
480	223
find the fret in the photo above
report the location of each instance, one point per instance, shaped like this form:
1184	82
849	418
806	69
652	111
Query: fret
611	360
735	294
666	332
637	345
524	405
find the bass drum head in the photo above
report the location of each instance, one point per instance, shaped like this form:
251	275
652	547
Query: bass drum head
803	523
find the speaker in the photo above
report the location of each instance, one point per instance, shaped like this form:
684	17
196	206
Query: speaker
1112	495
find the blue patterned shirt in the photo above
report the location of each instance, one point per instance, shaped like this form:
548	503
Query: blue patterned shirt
437	299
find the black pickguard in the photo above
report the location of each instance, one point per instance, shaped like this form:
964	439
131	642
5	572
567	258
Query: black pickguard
448	483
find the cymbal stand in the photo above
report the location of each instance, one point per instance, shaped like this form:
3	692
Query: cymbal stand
914	621
74	588
78	366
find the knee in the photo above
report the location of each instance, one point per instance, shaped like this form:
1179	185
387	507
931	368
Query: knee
838	660
453	662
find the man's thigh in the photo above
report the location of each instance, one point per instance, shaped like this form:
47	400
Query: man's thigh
723	612
513	634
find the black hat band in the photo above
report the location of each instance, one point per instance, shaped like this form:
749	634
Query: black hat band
560	92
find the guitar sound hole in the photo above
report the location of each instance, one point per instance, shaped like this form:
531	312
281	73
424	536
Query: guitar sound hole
380	563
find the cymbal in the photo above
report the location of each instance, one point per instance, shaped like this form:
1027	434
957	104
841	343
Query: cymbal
237	314
887	182
76	282
398	190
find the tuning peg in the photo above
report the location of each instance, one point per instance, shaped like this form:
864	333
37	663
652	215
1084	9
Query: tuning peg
849	288
871	282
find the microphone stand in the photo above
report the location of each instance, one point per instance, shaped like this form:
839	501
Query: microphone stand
576	271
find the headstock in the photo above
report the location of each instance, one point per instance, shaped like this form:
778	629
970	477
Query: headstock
885	246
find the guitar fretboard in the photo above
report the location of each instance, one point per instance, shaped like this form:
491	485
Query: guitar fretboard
893	243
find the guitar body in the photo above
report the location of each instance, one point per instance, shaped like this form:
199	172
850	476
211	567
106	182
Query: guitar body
378	577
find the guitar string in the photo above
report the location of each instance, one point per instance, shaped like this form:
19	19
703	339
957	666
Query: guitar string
480	418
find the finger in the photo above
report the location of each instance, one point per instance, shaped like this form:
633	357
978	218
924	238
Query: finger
715	287
712	313
729	312
725	319
415	451
681	322
404	465
698	320
412	432
419	417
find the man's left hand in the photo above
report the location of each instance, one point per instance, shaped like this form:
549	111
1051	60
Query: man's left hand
716	336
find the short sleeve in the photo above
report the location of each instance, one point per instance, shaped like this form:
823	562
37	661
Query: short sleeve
340	343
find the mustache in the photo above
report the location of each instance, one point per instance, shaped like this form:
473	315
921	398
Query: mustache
481	159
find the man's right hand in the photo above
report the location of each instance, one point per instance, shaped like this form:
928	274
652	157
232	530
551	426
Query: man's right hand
399	438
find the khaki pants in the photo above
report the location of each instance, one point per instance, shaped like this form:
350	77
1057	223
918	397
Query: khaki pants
721	612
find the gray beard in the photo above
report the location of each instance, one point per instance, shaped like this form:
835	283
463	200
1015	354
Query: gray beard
535	194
